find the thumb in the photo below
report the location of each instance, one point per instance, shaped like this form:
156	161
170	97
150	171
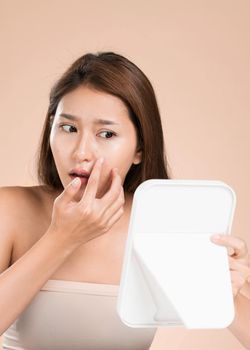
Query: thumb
69	191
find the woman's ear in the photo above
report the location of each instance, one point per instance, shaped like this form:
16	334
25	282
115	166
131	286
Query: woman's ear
138	157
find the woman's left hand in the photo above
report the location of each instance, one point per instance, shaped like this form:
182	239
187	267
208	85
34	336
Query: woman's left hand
239	259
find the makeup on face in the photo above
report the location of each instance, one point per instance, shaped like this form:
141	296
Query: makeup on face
89	124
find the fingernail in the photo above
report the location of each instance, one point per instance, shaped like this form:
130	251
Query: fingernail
101	160
75	182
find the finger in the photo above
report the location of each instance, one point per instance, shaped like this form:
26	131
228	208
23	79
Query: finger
69	192
233	265
237	279
237	244
115	217
115	206
93	182
238	266
230	251
114	191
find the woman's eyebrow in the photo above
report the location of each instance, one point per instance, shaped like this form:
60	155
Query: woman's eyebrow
97	120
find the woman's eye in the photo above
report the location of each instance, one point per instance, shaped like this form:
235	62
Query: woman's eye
108	133
62	126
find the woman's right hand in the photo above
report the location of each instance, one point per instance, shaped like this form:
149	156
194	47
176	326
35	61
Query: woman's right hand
89	218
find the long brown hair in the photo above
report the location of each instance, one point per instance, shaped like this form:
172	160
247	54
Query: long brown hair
114	74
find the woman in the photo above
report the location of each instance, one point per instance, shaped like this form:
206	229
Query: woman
62	242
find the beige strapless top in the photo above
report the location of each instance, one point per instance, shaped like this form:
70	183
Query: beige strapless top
67	315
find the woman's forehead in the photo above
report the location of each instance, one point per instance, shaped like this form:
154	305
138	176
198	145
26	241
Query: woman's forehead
84	104
89	97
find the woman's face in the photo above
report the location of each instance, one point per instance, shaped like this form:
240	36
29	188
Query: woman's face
78	138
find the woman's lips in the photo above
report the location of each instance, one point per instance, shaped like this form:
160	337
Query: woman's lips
84	180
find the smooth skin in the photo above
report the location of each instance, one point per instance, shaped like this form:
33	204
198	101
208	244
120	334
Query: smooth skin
73	224
84	220
79	234
79	142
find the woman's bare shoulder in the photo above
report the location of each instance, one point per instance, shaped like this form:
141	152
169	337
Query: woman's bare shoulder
15	197
18	200
19	196
25	214
17	206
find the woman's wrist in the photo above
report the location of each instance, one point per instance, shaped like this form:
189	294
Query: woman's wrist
61	241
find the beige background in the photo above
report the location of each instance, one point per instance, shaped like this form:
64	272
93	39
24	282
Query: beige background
196	54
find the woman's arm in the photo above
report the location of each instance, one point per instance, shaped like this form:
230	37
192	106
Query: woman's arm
21	281
240	327
73	223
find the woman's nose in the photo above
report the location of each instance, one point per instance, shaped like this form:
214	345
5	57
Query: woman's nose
84	150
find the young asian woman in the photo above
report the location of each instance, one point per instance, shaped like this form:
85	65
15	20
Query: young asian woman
62	242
